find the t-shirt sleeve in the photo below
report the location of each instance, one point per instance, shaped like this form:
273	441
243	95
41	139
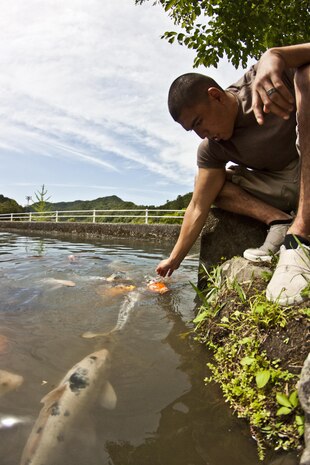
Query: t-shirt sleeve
211	155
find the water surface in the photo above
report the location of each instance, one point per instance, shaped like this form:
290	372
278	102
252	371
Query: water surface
165	415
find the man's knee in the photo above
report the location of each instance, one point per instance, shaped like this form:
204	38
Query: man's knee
226	193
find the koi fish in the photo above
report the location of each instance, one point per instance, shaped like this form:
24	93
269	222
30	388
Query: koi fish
114	290
59	282
157	286
9	381
65	408
122	318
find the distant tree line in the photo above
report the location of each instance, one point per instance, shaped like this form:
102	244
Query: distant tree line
44	207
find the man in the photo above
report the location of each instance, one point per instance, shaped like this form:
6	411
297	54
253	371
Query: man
252	123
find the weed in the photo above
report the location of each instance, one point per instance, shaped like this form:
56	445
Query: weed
256	387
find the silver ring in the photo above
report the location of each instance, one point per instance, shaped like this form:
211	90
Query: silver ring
271	91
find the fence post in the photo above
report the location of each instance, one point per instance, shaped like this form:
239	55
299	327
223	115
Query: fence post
30	216
11	216
94	216
146	216
56	217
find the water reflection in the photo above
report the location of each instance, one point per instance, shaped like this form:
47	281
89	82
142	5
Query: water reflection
165	415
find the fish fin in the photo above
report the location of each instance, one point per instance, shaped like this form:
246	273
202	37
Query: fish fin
108	398
38	429
53	396
90	335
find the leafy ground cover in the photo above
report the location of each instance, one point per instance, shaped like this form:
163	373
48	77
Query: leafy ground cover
258	351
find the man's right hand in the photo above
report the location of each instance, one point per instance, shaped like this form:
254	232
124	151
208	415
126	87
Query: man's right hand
166	267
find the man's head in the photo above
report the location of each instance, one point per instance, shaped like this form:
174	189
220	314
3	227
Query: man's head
198	103
187	90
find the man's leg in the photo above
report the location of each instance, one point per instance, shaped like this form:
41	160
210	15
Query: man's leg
236	199
292	274
301	225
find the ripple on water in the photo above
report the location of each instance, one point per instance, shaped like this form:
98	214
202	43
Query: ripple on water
164	411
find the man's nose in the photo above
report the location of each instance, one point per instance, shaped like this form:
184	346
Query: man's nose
202	133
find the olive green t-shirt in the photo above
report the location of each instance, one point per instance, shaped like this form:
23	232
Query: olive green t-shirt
270	147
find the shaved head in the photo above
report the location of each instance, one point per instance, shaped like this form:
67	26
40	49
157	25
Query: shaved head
187	90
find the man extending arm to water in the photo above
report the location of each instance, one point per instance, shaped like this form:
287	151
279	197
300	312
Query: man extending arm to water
252	123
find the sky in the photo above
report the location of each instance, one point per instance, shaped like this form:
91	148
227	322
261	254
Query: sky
83	92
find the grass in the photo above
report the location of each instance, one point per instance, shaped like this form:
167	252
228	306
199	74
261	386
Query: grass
235	322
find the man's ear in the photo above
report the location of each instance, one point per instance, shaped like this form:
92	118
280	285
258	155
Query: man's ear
215	93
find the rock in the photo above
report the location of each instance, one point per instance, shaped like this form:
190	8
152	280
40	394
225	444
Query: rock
304	398
227	234
241	270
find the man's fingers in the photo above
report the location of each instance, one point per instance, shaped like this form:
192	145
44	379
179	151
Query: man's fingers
282	91
272	96
257	107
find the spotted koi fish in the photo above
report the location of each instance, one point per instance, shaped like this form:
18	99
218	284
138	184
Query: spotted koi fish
85	383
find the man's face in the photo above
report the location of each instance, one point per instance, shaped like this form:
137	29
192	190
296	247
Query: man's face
211	118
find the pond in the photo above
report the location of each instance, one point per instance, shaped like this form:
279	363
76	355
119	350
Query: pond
159	411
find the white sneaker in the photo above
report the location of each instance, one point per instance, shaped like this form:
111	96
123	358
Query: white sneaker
291	276
274	239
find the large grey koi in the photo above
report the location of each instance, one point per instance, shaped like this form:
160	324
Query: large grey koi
63	407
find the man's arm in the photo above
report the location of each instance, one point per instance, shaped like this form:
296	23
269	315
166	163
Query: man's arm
208	184
269	75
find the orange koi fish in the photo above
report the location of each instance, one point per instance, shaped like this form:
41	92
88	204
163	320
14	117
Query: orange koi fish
157	286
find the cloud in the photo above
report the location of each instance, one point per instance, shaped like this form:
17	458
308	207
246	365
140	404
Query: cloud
86	83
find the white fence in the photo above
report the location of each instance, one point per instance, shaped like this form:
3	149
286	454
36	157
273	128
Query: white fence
93	216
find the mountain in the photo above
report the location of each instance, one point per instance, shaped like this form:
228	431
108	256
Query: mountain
111	202
179	203
8	205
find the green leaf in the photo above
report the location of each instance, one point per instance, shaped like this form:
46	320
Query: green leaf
299	420
170	4
262	378
202	316
284	411
301	430
293	399
282	399
247	361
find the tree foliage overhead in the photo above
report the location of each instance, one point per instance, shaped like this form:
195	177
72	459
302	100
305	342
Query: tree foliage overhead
239	29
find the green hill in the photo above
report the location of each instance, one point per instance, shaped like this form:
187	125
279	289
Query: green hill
111	202
8	205
179	203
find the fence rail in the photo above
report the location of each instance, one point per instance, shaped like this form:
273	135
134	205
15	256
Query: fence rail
94	216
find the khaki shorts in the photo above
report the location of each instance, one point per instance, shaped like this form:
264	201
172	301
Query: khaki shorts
277	188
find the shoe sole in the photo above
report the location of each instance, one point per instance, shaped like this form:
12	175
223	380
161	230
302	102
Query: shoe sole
255	259
292	300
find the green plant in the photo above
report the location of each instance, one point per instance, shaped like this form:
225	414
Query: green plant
41	205
251	381
208	297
